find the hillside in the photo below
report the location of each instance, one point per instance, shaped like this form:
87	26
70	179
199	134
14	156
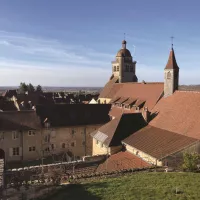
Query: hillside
140	186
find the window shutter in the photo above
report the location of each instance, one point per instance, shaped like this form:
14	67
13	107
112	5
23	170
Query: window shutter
20	151
10	152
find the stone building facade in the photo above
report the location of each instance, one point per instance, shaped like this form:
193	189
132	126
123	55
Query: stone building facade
50	131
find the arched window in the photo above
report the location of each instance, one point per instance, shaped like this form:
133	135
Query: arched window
168	75
114	68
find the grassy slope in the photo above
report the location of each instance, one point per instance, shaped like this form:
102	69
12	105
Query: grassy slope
140	186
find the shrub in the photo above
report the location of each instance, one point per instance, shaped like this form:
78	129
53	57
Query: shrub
190	161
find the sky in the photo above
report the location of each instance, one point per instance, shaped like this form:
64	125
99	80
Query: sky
72	43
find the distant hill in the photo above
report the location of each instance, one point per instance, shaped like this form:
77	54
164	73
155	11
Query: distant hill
90	89
58	89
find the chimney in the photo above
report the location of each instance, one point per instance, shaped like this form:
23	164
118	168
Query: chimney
146	114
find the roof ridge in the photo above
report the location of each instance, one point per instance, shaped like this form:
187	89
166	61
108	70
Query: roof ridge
191	91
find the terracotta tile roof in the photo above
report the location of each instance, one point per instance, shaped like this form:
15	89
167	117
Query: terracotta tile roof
119	128
179	113
157	142
130	101
74	114
149	92
139	102
122	160
118	111
121	100
114	100
171	64
110	89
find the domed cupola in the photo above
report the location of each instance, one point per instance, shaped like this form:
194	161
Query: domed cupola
123	67
123	52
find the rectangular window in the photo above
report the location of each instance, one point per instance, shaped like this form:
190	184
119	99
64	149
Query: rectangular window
73	144
117	68
32	148
131	68
15	151
52	146
73	132
1	135
47	149
83	143
97	142
101	145
15	135
47	138
31	133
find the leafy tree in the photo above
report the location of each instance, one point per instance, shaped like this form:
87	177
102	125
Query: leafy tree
23	87
31	88
190	161
39	88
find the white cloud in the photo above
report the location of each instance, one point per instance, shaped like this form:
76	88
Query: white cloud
54	63
50	62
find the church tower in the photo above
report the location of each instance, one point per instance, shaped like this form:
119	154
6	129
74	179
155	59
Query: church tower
124	67
171	75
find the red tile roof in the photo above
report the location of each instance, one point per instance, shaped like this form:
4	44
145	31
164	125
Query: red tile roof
148	92
157	142
119	128
110	89
118	111
122	160
179	113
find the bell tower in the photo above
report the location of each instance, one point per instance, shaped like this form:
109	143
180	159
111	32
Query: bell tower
171	75
124	67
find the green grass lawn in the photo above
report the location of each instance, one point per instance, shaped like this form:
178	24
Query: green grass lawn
140	186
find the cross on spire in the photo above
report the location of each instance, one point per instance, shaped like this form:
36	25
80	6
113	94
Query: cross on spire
172	40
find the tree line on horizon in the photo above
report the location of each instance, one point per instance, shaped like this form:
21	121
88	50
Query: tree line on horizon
29	88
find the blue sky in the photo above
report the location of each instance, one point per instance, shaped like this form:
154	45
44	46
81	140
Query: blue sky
72	43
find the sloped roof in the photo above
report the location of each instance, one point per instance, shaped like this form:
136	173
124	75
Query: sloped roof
74	114
15	120
123	53
118	111
122	160
179	113
172	64
148	92
110	89
121	127
7	105
157	142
